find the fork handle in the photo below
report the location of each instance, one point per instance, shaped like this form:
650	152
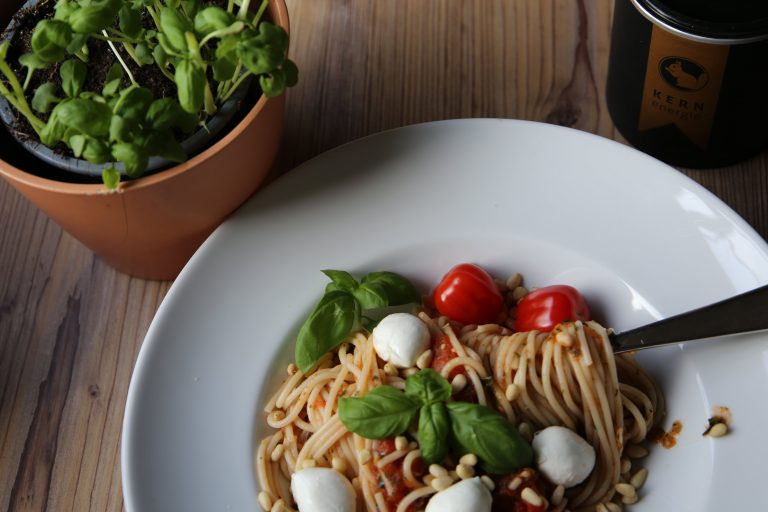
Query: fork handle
746	312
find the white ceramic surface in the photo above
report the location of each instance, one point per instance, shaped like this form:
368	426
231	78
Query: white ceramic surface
638	238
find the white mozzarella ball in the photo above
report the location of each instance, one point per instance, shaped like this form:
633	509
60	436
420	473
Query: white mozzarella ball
563	456
400	338
322	490
470	494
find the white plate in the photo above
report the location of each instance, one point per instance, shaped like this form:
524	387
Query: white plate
638	238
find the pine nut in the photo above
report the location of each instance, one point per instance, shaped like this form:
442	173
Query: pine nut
339	464
440	483
525	431
437	470
292	369
638	479
613	507
364	456
718	430
470	459
514	484
428	480
308	463
635	451
410	371
630	500
625	489
277	452
401	443
626	465
519	292
278	506
465	471
557	495
425	359
514	281
601	508
532	497
488	482
512	392
458	383
390	369
265	501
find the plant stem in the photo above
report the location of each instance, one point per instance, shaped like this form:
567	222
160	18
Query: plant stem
22	106
112	39
123	35
235	85
225	86
260	12
18	90
230	6
210	104
80	54
120	59
194	49
234	28
243	9
153	14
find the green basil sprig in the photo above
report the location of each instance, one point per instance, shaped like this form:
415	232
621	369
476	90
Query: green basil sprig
343	309
467	427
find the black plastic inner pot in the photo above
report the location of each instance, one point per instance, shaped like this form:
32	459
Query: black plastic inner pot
715	19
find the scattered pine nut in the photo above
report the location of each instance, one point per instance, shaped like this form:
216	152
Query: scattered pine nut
279	506
465	471
440	483
488	482
469	459
514	281
308	463
532	497
557	495
613	507
635	451
265	501
458	383
401	443
437	470
718	430
339	464
512	392
518	293
626	465
390	369
625	489
638	479
630	500
514	484
292	369
425	359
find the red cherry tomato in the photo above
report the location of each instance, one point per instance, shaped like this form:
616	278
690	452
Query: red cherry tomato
468	295
544	308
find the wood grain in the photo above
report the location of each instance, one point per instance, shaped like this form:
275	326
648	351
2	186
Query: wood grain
70	327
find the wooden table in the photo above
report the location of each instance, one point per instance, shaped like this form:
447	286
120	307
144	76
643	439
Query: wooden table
70	327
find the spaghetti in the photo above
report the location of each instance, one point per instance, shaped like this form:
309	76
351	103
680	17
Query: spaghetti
568	377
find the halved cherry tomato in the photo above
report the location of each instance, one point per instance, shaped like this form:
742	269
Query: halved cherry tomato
544	308
468	295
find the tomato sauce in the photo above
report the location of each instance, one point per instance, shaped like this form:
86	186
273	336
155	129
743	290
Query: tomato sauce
393	472
507	493
442	354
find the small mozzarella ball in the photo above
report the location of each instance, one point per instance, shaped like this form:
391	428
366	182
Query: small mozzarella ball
470	494
563	456
400	338
322	490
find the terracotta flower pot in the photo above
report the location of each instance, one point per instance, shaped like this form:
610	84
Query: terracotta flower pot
153	225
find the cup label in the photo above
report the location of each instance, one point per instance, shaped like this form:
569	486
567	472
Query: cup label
682	85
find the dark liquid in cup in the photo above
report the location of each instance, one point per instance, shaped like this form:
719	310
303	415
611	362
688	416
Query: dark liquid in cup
720	11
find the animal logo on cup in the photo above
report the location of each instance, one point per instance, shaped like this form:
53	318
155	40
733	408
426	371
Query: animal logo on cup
683	74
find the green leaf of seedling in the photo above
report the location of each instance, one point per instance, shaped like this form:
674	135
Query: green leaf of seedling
94	17
133	158
190	82
130	21
122	130
144	54
50	40
191	7
110	177
227	47
272	84
45	97
211	19
93	150
33	62
54	131
273	35
174	25
166	113
4	49
223	70
257	57
133	102
85	116
64	8
166	146
160	56
77	43
291	73
72	74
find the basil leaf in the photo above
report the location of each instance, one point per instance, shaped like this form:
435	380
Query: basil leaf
384	412
85	116
144	54
389	287
223	70
133	158
110	177
50	40
340	280
428	387
190	82
33	61
211	19
94	17
122	129
334	317
486	433
272	84
130	21
291	73
434	430
44	97
133	102
72	74
174	25
167	113
166	146
93	150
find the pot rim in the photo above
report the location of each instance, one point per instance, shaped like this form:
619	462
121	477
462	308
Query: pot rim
279	11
